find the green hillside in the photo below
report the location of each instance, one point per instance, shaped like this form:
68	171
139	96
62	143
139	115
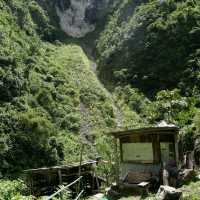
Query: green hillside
150	51
158	44
52	98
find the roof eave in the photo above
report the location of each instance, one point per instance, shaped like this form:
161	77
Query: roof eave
149	130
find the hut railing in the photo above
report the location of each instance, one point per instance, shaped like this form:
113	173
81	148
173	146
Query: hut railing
65	188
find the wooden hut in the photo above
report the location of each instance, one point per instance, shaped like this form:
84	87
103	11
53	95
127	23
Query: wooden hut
45	181
145	152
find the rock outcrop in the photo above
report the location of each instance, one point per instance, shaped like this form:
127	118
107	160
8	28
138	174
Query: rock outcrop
187	175
78	17
168	193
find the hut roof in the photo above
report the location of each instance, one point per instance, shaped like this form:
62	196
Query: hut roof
172	129
56	168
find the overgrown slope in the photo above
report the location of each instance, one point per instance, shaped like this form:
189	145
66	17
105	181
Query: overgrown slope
158	44
51	101
150	51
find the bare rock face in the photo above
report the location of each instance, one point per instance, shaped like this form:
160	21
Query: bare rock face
78	17
168	193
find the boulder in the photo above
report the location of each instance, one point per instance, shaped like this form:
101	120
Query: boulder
187	175
168	193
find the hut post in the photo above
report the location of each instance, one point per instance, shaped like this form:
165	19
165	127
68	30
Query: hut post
60	182
30	183
176	148
60	176
80	163
116	159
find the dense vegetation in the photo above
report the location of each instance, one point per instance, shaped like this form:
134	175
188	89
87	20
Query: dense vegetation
150	50
47	91
158	44
15	190
51	100
50	97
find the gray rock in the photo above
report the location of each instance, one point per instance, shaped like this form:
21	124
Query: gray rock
187	175
168	193
79	17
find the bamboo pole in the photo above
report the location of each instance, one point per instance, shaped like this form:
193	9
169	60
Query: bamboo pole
79	195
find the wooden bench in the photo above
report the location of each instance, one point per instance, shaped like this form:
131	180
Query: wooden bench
138	179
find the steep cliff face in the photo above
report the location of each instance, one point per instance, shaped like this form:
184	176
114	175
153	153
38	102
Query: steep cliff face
78	17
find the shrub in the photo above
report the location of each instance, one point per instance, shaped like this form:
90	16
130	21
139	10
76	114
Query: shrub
13	190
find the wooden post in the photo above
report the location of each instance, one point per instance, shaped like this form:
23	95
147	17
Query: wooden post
31	183
156	149
80	164
97	181
165	176
60	176
60	181
93	178
176	149
117	160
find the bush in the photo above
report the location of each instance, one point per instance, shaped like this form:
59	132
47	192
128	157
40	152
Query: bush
13	190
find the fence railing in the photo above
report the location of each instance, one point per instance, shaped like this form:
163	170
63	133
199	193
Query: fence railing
65	188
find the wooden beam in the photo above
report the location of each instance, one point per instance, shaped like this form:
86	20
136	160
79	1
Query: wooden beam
150	130
148	133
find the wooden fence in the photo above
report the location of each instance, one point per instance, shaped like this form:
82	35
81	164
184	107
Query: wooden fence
59	192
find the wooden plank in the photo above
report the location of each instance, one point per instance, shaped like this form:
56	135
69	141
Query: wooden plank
74	174
137	177
144	184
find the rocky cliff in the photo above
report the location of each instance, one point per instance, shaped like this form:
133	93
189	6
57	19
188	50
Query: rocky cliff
79	17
